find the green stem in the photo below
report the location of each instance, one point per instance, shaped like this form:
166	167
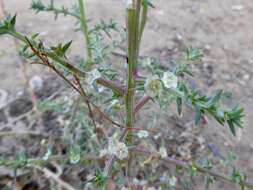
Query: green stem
144	14
84	24
133	35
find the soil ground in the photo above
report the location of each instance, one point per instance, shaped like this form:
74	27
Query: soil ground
222	28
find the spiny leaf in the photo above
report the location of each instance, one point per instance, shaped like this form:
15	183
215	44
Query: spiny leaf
193	54
66	46
37	6
179	106
147	3
8	24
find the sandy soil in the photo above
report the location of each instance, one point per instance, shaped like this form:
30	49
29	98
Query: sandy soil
222	28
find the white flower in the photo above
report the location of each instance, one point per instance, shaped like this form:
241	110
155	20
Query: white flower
163	152
118	149
93	76
142	134
115	104
173	181
169	80
153	86
121	151
157	136
147	62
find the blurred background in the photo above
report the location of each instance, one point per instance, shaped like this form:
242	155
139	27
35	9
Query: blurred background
223	29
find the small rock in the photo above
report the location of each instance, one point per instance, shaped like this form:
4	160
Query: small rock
179	37
237	7
207	47
36	83
246	77
160	12
3	98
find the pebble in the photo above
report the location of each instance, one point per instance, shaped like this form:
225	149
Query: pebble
207	47
246	77
3	98
179	37
237	7
160	12
36	83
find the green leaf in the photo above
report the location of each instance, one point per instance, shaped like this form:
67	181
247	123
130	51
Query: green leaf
7	25
214	100
193	54
232	127
179	106
37	6
148	3
197	115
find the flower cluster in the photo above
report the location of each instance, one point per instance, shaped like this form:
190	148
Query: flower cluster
118	149
154	85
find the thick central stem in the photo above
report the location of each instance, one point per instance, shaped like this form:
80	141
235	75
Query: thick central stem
133	44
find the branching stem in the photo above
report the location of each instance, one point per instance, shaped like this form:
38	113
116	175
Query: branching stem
186	165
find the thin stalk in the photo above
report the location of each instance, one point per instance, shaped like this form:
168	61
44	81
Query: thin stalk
144	15
85	29
133	35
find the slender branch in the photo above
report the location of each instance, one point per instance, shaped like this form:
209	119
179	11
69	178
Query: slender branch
46	62
87	102
24	133
57	11
144	14
117	88
141	103
186	165
84	21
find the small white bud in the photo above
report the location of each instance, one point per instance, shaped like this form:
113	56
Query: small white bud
169	80
163	152
121	151
142	134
